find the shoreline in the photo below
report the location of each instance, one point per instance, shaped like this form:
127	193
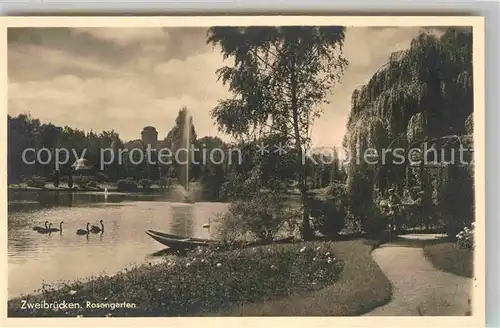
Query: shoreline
114	191
111	191
239	274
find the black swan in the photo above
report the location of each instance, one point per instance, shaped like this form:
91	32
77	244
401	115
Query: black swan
55	229
41	229
83	231
46	231
96	229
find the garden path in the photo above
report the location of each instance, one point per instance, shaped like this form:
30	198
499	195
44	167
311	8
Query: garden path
418	288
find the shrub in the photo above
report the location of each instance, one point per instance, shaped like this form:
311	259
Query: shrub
337	191
465	238
455	199
70	180
261	216
145	183
351	224
101	177
363	207
80	182
57	177
327	216
163	182
126	185
212	180
36	182
469	124
240	186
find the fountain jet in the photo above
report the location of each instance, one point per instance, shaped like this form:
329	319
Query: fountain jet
186	142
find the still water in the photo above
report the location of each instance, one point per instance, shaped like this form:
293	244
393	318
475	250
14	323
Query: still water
34	259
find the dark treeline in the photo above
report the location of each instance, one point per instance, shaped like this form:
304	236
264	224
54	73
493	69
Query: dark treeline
25	132
221	169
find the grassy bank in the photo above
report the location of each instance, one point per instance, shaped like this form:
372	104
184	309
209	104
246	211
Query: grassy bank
448	257
312	278
361	287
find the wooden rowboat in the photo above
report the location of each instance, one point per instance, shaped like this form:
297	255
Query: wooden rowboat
178	242
170	236
183	243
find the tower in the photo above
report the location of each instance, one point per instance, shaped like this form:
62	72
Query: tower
149	136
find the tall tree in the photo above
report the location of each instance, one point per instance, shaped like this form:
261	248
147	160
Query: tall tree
213	160
278	78
423	93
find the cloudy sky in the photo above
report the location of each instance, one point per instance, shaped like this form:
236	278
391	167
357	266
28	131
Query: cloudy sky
127	78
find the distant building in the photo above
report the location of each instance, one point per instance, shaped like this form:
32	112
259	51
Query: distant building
149	136
83	171
81	165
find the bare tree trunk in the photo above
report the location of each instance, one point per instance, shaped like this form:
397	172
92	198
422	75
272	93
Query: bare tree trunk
305	230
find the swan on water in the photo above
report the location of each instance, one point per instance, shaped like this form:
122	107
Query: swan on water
55	229
96	229
206	225
42	228
83	231
45	231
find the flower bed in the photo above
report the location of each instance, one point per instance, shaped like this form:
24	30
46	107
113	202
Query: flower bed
465	238
204	281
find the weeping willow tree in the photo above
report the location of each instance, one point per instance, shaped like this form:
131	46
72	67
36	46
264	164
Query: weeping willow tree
421	95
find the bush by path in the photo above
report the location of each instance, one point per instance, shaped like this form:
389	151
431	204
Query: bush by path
447	256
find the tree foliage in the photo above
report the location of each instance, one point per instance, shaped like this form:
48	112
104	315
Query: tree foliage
423	93
26	132
278	77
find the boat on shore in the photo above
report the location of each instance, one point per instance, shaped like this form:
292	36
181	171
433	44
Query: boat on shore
176	242
179	242
171	236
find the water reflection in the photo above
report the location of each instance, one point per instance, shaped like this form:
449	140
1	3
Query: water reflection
34	258
182	220
30	200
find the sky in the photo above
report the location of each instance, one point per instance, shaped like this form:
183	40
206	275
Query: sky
128	78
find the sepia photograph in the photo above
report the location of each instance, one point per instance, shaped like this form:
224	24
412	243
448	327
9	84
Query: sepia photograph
245	170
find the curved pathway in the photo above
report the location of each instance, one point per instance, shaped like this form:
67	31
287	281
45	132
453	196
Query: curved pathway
418	288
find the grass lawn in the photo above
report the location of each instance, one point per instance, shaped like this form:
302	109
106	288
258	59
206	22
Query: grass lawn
311	278
361	287
448	257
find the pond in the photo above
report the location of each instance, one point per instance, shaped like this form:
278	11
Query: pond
34	258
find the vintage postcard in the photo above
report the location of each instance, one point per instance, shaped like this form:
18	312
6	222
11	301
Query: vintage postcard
306	168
